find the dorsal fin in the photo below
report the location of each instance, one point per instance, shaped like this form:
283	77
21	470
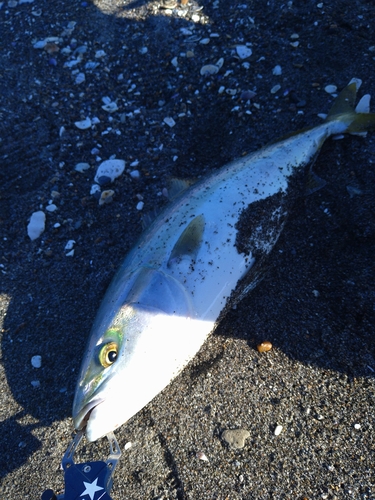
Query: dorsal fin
178	186
189	242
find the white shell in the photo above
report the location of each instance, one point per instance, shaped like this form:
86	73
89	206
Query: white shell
209	69
111	107
219	63
83	124
36	225
110	168
330	89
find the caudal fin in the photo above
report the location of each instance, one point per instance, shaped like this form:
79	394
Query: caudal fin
356	120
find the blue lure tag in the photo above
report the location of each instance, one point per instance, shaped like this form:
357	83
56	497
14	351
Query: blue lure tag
89	480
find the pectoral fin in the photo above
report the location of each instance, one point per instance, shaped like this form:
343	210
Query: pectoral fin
189	242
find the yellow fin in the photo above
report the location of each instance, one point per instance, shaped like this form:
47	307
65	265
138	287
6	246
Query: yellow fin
343	110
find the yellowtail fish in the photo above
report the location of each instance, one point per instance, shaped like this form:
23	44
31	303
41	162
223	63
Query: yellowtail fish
200	255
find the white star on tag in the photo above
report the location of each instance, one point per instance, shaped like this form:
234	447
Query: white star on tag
91	489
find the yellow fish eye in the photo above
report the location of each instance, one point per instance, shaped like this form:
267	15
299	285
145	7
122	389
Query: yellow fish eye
108	354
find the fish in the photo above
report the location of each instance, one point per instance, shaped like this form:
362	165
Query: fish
202	254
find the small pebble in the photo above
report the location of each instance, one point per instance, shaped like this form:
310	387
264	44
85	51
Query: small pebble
40	44
95	189
103	180
169	121
128	445
134	174
35	383
51	208
140	205
106	197
357	426
243	52
246	95
36	361
278	430
81	167
264	346
236	437
99	54
275	89
36	225
353	191
69	245
201	456
277	70
80	78
330	89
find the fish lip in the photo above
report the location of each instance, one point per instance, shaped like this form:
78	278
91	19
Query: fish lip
82	417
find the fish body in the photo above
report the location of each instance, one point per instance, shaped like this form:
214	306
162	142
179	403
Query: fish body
202	253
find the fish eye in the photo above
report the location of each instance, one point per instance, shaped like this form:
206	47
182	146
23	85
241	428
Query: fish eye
108	354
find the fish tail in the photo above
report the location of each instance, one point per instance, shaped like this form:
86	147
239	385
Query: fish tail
354	120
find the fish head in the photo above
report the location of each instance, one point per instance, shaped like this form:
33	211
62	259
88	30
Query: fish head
97	403
121	370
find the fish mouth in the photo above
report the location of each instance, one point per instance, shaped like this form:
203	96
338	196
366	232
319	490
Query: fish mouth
83	416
